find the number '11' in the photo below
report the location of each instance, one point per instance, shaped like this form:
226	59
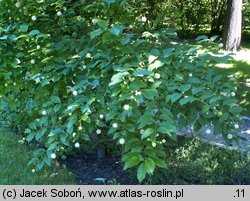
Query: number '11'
240	193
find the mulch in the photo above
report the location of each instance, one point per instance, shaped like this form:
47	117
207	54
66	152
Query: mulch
89	170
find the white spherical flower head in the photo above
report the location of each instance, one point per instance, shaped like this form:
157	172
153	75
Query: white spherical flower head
236	126
33	170
157	76
79	18
232	94
221	45
190	74
143	19
126	107
115	125
208	131
122	141
53	156
33	18
94	21
44	112
80	128
38	47
98	131
32	61
141	131
70	114
75	93
101	116
77	145
18	4
73	134
229	136
137	93
88	55
163	141
153	144
59	13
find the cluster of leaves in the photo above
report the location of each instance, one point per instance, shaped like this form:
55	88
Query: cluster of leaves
74	69
195	162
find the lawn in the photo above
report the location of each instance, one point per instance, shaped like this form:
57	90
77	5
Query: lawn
14	157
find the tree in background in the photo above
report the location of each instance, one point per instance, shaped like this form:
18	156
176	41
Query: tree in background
233	25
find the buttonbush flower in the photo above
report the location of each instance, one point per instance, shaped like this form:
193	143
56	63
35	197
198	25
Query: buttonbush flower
236	126
229	136
137	93
75	93
80	128
143	19
53	156
44	112
33	170
232	94
163	141
157	76
18	4
32	61
122	141
38	47
33	18
98	131
190	74
101	116
77	145
208	131
70	114
126	107
153	144
59	13
115	125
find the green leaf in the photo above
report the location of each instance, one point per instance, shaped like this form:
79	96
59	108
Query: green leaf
117	78
186	87
146	119
34	32
142	73
149	165
95	33
102	23
141	172
184	101
156	64
41	133
160	163
150	93
147	133
131	162
109	1
116	30
175	97
167	52
55	99
236	109
24	28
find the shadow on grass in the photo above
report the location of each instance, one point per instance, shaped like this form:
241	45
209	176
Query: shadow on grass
241	71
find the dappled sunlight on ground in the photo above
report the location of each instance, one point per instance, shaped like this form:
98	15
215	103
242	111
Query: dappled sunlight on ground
243	55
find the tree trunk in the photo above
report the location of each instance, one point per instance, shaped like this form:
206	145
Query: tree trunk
233	24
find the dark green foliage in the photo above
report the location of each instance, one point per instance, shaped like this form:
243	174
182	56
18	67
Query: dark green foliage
70	69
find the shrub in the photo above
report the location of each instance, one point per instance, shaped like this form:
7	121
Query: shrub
77	71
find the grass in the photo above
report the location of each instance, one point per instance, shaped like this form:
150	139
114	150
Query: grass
239	68
13	165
